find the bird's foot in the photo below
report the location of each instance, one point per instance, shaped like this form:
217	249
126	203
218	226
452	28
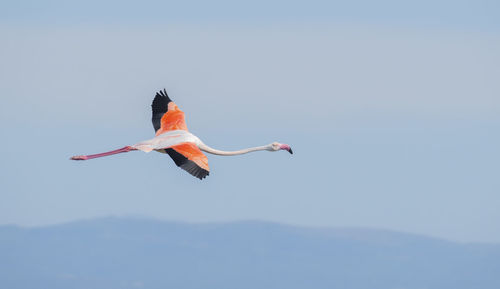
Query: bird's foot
79	158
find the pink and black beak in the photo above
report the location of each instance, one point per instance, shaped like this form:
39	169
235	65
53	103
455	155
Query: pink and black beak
287	148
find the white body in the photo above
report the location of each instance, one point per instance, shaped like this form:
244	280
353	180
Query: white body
168	139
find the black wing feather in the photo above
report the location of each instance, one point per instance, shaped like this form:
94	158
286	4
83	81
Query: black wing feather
187	165
160	107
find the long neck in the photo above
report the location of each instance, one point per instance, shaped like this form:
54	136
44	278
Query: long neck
208	149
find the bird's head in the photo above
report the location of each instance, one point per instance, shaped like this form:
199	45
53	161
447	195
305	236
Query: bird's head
276	146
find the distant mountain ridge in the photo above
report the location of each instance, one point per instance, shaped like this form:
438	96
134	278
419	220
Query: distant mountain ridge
141	253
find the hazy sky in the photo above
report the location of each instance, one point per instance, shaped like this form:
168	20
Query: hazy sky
392	110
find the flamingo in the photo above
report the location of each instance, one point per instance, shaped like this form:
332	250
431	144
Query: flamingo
173	138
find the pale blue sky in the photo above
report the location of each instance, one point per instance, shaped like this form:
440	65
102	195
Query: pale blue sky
393	112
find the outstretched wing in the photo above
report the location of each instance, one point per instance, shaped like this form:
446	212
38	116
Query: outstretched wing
188	157
166	115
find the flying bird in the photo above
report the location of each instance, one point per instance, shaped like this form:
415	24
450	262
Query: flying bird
173	138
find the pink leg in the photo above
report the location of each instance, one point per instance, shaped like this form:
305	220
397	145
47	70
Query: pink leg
88	157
